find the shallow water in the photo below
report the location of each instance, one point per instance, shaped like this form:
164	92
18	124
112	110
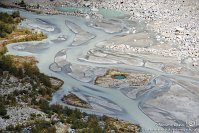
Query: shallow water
107	13
119	77
74	9
106	101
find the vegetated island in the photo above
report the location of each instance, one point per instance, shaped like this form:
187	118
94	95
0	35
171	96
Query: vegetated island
25	92
115	78
72	99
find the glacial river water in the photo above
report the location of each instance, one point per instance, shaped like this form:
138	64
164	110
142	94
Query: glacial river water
54	26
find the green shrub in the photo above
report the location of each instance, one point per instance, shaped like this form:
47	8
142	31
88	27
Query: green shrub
3	111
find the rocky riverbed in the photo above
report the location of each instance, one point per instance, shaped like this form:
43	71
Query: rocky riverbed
165	47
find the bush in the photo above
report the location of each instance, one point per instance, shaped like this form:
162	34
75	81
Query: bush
16	14
6	117
3	111
22	3
43	127
7	23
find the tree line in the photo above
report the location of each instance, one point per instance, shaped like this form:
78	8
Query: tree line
6	64
8	23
